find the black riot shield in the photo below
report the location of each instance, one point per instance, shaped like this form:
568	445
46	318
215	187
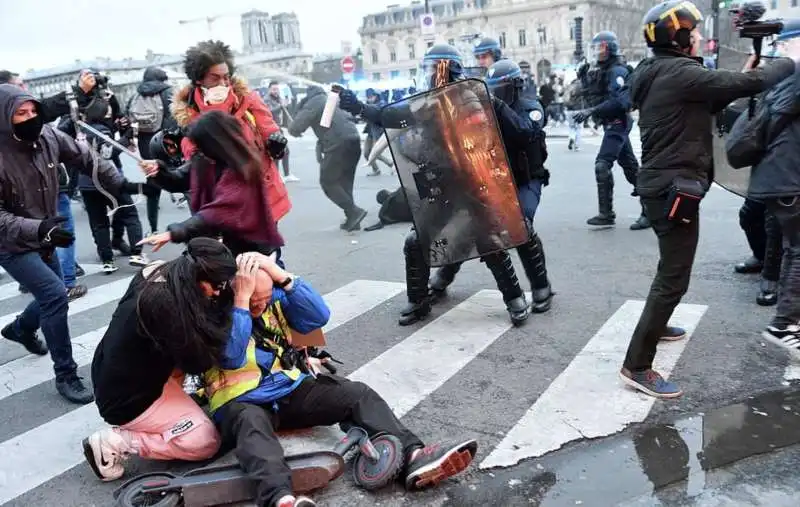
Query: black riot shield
733	180
454	170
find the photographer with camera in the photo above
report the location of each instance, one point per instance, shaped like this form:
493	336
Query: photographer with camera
676	96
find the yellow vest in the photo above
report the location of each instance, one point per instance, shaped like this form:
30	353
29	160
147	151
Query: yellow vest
223	386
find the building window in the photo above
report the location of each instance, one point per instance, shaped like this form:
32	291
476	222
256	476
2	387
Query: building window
572	30
430	44
376	76
523	38
392	55
394	74
452	42
412	52
374	56
502	40
542	36
412	73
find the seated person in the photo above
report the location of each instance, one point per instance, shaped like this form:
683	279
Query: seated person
394	209
174	319
264	388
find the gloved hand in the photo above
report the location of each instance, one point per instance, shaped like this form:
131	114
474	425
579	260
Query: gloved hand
582	70
349	102
276	145
582	116
123	122
52	235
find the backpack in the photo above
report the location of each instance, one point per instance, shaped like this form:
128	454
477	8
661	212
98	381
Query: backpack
148	112
749	137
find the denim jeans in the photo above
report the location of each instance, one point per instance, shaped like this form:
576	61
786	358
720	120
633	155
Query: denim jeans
66	256
40	273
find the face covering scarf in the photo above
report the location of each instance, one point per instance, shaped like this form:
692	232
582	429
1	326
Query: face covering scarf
29	130
216	95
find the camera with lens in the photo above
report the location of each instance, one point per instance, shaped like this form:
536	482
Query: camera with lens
101	80
747	21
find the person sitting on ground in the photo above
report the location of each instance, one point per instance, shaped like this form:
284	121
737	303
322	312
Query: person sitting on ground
173	320
265	385
394	209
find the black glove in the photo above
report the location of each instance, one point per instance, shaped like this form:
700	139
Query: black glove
349	102
582	70
582	116
52	235
276	145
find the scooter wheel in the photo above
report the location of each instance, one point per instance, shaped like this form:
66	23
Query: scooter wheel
133	496
372	475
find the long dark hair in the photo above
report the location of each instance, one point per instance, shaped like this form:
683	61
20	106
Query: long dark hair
219	137
174	312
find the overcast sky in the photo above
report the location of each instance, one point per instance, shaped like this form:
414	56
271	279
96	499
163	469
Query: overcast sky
46	33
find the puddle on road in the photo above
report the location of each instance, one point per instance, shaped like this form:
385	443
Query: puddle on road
646	461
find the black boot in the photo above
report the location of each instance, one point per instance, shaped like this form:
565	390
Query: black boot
442	279
417	274
507	282
30	341
768	294
605	205
750	266
531	254
641	223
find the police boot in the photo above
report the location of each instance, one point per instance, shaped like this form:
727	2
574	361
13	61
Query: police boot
641	223
768	295
417	273
506	278
531	255
605	205
442	279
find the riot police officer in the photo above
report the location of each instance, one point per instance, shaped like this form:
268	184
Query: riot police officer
611	105
417	270
522	123
487	51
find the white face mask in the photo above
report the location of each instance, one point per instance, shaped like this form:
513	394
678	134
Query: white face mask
216	95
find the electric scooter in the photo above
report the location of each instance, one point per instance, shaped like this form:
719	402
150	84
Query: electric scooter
378	463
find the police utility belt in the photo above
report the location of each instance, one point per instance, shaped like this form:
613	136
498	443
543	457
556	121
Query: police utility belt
683	200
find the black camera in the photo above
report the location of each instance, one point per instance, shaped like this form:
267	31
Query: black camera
101	80
747	21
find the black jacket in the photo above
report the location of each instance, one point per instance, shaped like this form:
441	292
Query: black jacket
676	97
342	131
778	173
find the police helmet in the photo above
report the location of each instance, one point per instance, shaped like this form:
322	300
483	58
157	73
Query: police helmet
668	25
165	146
604	46
440	54
490	46
790	31
505	80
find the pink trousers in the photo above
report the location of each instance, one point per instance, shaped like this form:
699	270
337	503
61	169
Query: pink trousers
174	427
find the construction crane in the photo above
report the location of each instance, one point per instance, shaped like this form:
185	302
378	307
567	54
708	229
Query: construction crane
209	21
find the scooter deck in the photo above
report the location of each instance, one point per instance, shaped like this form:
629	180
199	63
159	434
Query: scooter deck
219	485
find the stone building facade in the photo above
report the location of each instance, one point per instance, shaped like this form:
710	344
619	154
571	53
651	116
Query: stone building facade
540	33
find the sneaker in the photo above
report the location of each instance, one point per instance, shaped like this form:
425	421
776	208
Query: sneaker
122	247
138	261
673	334
787	338
79	272
71	388
106	451
30	341
353	222
290	178
76	292
109	267
651	383
432	464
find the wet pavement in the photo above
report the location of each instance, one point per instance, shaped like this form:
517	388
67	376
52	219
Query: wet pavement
743	454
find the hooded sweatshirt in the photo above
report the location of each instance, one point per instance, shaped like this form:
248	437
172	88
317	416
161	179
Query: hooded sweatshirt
29	175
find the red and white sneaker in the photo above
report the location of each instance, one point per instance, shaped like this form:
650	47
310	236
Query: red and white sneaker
434	463
300	501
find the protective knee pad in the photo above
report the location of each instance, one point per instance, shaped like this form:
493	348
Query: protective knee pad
602	172
502	268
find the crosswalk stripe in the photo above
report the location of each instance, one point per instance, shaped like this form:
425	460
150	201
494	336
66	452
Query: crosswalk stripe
407	373
586	400
11	289
36	456
98	296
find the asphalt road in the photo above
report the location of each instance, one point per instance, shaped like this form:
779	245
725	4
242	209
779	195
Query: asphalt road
463	373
